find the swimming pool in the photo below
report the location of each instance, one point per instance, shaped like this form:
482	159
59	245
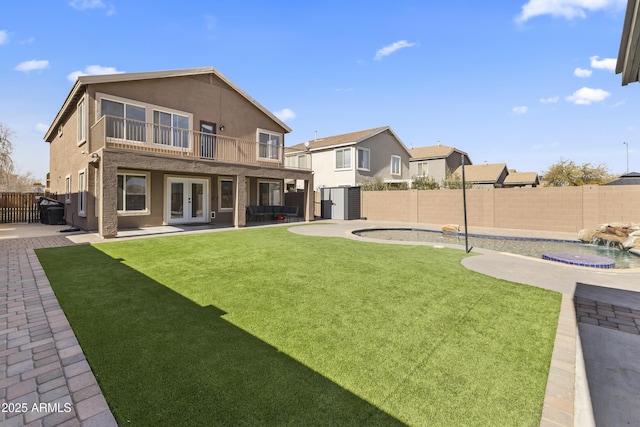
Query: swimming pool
516	245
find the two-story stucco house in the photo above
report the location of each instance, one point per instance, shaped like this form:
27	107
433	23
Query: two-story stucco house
354	158
435	161
167	147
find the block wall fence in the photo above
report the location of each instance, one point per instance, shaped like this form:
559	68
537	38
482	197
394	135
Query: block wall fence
568	209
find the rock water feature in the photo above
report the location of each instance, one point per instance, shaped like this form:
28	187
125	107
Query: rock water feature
616	235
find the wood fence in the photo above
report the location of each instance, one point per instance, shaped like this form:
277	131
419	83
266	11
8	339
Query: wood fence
20	207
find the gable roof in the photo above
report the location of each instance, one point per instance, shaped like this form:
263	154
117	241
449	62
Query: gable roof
351	138
78	90
434	152
521	178
485	173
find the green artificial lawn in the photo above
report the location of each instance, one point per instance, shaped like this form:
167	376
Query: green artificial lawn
267	327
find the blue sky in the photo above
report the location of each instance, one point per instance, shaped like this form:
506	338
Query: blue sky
523	82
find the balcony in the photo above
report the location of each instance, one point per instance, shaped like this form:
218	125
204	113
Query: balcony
133	135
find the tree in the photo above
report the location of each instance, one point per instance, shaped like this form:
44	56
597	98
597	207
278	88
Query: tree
567	173
424	183
6	149
453	181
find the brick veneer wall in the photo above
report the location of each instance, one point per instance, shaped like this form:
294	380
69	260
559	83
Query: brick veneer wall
567	209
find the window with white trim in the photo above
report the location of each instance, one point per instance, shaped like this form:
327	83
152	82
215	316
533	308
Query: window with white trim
82	193
225	198
269	193
170	129
343	158
133	192
395	165
67	189
364	158
423	168
124	121
81	115
269	145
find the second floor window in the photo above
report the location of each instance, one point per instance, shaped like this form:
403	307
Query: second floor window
363	158
171	129
343	158
269	145
124	121
395	165
423	169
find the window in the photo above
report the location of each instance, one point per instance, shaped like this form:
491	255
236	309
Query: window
363	158
269	145
226	194
423	169
82	193
82	122
395	165
67	189
171	129
133	193
124	121
343	158
269	193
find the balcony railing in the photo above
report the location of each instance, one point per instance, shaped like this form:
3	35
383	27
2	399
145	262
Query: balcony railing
127	134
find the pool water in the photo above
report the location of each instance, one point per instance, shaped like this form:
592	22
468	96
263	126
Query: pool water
515	245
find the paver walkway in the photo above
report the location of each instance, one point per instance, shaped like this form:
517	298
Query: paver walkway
45	379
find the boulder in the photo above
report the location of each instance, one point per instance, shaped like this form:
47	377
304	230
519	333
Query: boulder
452	228
586	235
631	242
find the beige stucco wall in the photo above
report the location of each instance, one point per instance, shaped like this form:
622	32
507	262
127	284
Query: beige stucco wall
568	209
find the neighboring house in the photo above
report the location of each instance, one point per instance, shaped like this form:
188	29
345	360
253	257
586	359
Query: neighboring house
631	178
434	161
521	179
484	175
354	158
166	147
629	53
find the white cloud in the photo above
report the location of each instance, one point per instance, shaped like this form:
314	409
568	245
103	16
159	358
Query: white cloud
581	72
388	50
92	70
4	37
42	128
285	114
604	63
92	4
551	100
32	65
568	9
587	96
520	110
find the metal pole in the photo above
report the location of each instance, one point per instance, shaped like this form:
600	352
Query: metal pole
627	144
464	204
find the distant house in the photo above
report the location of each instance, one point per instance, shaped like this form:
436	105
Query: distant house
632	178
521	179
435	160
485	175
354	158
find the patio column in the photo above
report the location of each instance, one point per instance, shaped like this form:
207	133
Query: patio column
108	203
240	197
310	198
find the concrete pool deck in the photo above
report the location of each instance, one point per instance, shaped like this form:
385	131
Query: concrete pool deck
594	377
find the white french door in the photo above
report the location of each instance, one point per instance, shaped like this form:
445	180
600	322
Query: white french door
187	200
